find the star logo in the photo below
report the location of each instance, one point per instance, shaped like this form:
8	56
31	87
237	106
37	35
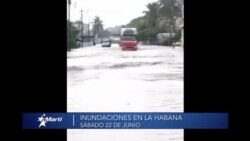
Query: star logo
42	121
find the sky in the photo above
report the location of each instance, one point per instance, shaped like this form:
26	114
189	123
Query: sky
111	12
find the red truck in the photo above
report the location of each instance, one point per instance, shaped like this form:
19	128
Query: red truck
128	39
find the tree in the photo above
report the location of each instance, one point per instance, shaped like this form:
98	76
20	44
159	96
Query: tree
170	10
135	22
152	20
71	37
97	26
160	17
140	24
147	25
152	15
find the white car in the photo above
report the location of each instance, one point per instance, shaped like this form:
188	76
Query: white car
106	42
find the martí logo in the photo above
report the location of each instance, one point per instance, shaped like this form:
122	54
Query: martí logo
45	120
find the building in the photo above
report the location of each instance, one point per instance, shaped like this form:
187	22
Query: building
83	32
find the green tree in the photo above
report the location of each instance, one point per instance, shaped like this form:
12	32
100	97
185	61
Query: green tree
142	27
170	10
147	25
152	20
135	22
159	17
152	16
71	37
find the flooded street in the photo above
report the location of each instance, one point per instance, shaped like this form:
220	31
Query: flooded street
110	80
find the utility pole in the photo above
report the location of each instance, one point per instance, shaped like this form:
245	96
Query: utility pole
69	3
89	26
89	31
81	28
94	30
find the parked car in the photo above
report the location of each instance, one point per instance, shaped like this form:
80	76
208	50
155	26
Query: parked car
106	42
165	39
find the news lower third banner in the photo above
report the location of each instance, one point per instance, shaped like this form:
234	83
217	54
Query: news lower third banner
145	120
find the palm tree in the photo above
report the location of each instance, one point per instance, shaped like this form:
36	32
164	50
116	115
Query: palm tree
98	26
170	9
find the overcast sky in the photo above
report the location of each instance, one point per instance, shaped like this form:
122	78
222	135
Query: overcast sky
111	12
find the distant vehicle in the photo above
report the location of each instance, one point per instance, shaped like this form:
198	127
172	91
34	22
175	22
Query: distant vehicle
178	43
128	39
106	42
165	38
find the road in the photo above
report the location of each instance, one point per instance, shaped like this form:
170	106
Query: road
111	80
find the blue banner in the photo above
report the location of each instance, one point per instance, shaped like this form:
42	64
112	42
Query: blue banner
145	120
